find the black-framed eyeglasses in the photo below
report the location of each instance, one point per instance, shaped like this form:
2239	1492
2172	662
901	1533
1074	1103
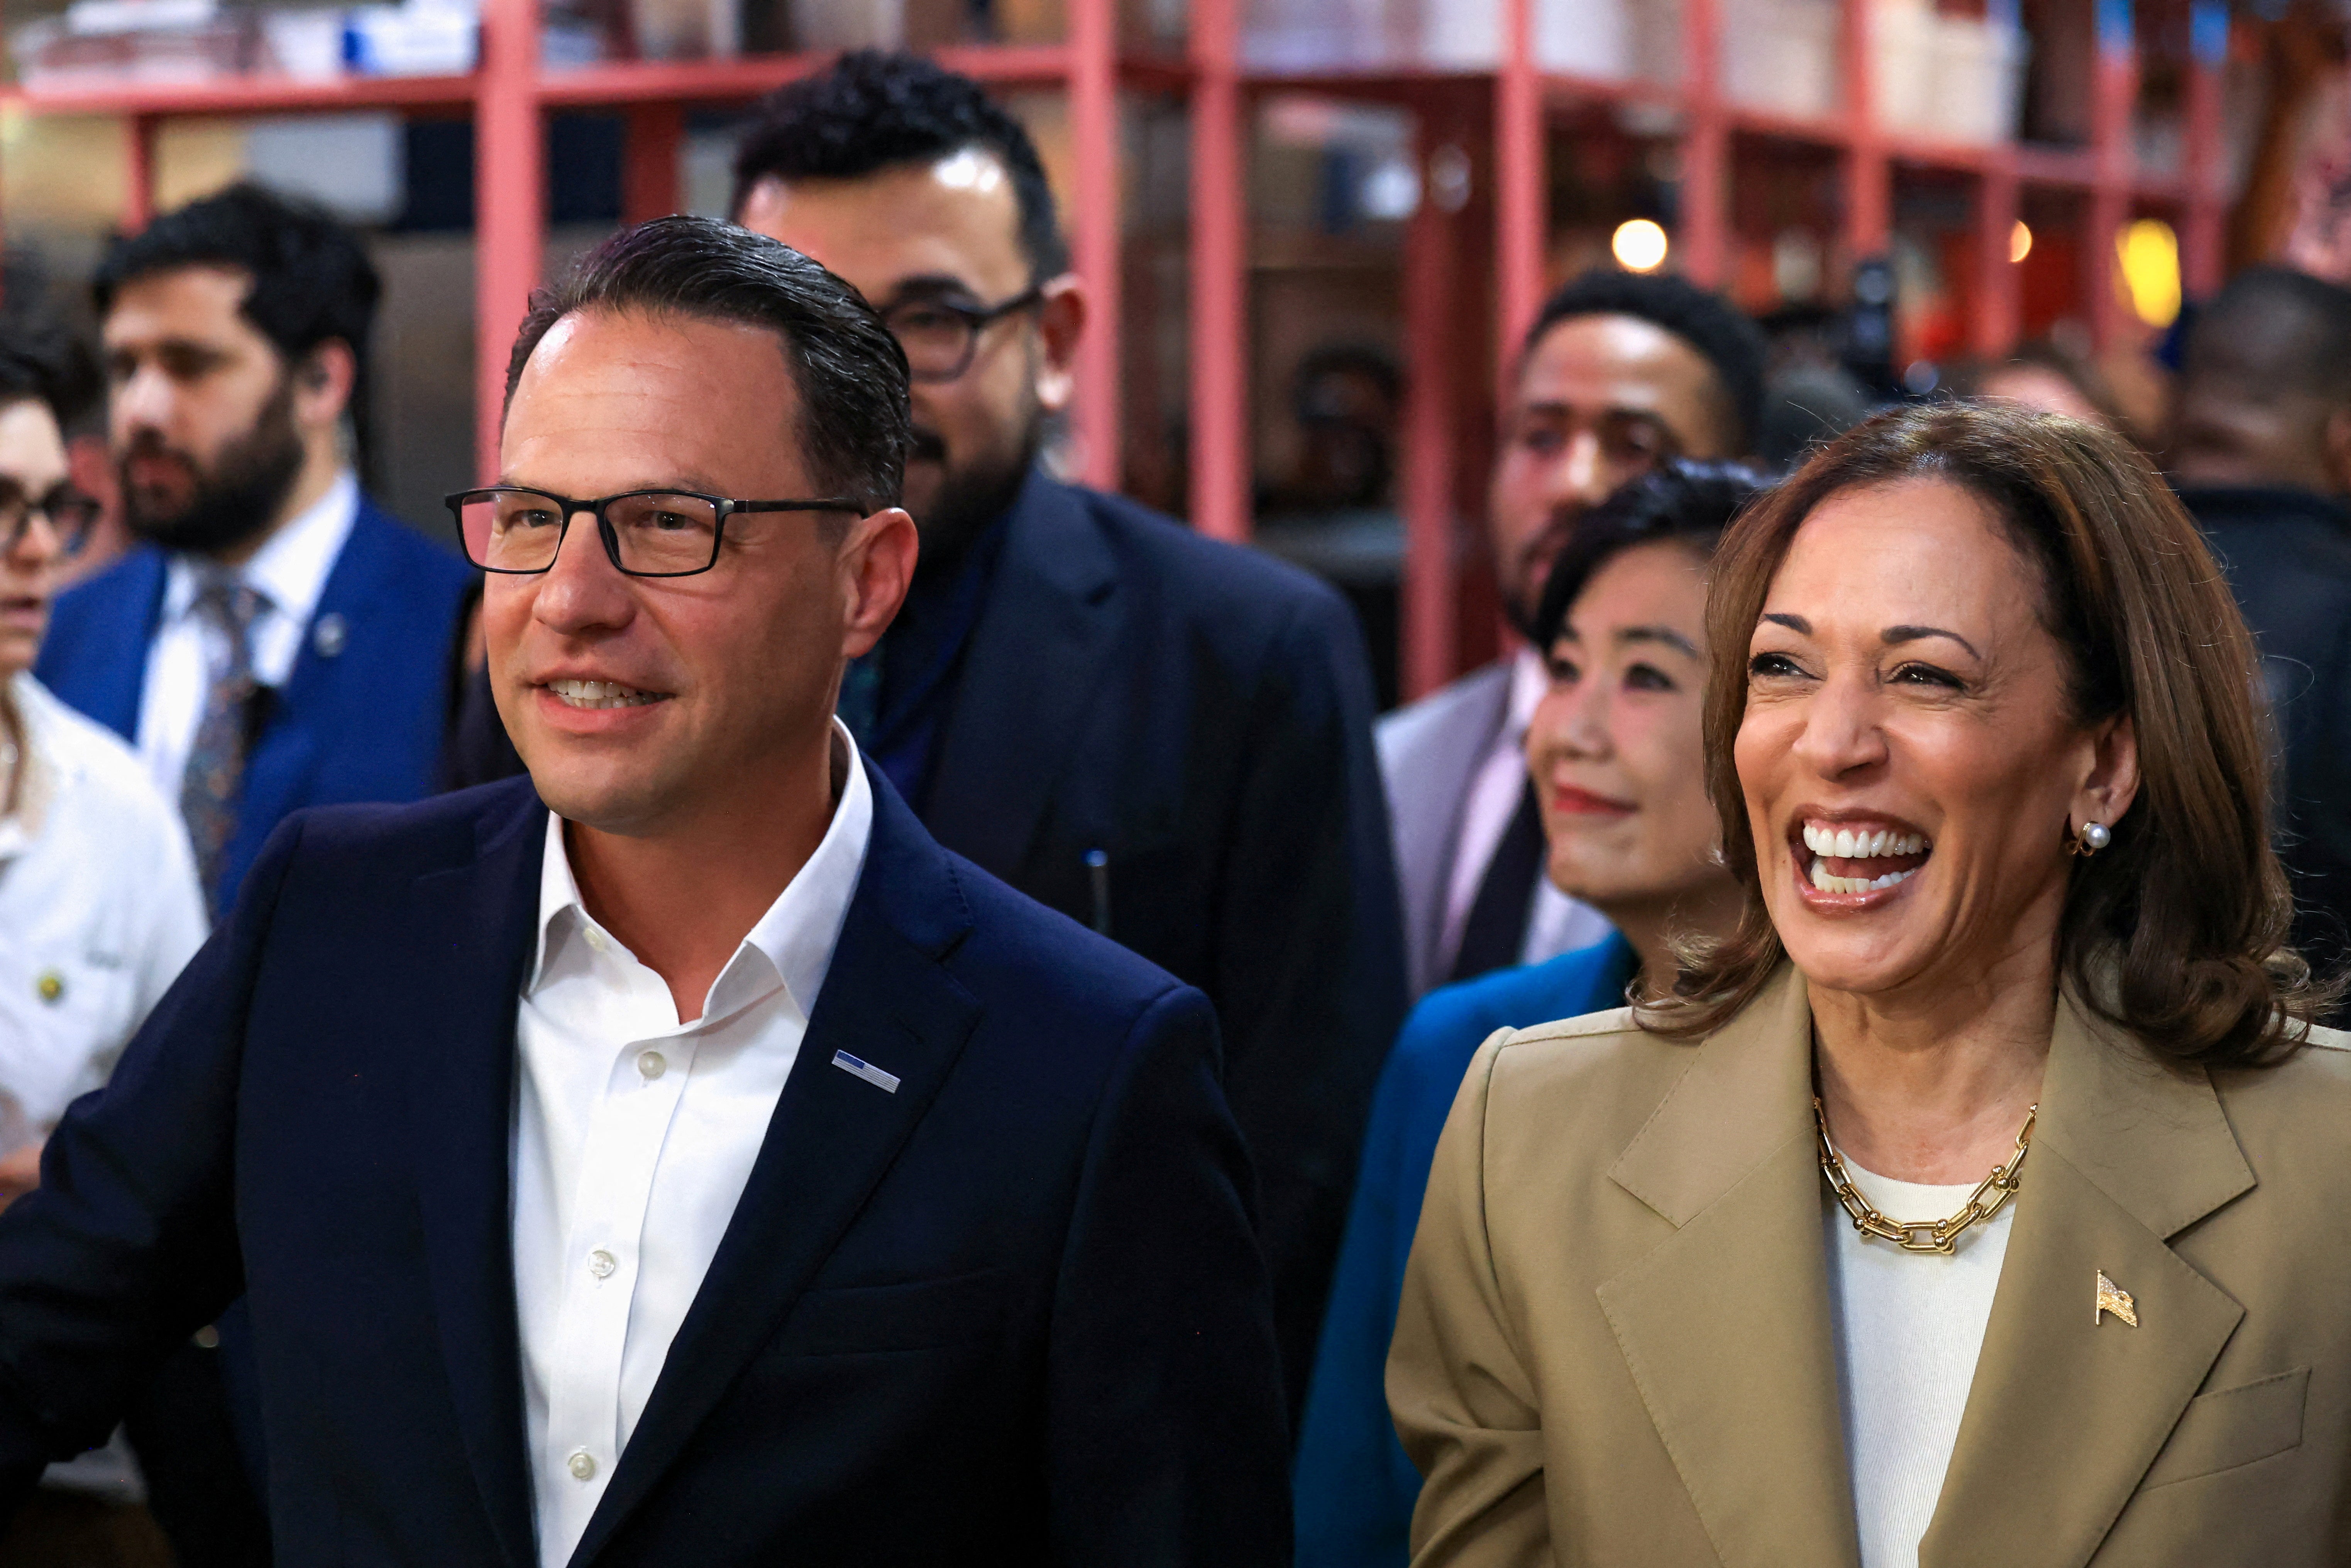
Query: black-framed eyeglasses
647	533
71	512
941	337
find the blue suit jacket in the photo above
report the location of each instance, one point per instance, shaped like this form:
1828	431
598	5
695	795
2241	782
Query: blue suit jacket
1012	1311
1355	1487
364	722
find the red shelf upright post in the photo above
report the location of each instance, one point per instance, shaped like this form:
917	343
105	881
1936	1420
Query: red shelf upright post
1706	149
2116	89
1521	216
1432	254
2203	236
1094	243
509	206
649	180
1220	443
1868	174
1999	283
139	179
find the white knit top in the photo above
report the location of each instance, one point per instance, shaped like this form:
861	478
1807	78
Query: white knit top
1908	1329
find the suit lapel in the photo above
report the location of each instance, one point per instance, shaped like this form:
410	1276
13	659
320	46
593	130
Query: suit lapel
1040	649
107	675
285	755
1726	1326
888	1000
476	921
2067	1410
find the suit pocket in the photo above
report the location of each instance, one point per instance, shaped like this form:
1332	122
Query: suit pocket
2233	1426
843	1320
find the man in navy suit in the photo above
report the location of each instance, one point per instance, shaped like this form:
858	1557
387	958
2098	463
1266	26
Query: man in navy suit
714	1169
277	642
1155	733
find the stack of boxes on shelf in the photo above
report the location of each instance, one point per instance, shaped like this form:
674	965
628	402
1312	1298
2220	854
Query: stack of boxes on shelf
98	43
1606	40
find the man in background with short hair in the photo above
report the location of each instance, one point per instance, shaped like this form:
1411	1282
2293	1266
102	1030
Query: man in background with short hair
1166	737
1619	371
278	641
2259	450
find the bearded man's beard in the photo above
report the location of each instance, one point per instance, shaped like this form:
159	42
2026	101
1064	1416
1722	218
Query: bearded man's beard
236	501
973	494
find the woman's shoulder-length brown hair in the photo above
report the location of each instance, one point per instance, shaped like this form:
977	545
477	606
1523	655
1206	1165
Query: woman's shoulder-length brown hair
2176	931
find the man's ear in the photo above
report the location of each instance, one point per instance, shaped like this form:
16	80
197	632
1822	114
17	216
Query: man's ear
877	566
323	381
1061	321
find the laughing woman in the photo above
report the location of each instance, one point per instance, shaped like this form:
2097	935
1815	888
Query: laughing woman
1981	1199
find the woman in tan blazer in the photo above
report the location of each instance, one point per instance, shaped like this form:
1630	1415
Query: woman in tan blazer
1987	1197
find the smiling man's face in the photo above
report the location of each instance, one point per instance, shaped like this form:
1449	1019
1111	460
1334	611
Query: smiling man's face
720	678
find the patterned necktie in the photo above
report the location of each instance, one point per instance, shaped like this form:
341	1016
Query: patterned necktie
214	782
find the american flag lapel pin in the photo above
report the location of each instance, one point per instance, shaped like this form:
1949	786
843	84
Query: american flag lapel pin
855	1068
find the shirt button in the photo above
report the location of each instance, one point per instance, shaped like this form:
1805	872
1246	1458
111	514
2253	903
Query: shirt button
582	1464
651	1063
602	1263
597	940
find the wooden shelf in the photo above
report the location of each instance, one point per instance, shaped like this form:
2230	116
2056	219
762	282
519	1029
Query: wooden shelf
242	95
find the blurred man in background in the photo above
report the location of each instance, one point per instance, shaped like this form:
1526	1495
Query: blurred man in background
98	901
1619	373
1163	737
277	642
2261	453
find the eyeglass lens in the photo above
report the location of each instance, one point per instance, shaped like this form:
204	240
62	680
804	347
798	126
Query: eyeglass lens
72	516
519	531
938	341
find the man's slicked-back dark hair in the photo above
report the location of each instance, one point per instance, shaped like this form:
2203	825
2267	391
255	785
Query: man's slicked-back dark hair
854	425
877	110
1731	342
312	281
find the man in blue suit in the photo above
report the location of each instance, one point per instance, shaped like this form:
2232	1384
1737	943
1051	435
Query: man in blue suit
277	642
711	1169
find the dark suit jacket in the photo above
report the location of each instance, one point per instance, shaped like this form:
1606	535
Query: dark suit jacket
1201	716
2288	557
361	717
1011	1313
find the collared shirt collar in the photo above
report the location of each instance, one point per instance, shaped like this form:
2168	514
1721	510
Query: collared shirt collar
292	567
795	938
37	783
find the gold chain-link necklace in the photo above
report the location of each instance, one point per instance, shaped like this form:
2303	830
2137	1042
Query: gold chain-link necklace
1941	1236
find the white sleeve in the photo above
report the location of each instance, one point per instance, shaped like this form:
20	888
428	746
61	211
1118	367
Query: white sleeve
177	923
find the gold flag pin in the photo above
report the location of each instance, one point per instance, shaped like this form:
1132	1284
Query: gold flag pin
2113	1298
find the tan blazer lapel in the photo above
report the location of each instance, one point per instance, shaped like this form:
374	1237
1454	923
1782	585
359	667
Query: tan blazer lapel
1726	1326
2069	1406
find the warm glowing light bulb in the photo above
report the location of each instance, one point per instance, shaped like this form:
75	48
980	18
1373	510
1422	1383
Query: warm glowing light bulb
2148	255
2020	242
1639	245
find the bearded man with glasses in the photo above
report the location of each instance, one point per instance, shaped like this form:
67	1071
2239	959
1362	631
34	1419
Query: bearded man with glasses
676	1156
1163	737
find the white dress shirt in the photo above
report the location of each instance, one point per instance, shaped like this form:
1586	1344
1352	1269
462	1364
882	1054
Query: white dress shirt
1909	1327
1557	924
99	911
633	1136
290	571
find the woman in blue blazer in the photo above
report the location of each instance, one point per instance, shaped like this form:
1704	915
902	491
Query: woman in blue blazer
1618	764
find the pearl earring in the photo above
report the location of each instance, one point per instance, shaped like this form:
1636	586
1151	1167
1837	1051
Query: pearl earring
2091	838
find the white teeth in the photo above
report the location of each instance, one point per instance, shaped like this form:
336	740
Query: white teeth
1827	883
1843	843
600	695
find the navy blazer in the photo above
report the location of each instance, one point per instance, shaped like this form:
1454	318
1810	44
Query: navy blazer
1011	1313
361	717
1201	716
